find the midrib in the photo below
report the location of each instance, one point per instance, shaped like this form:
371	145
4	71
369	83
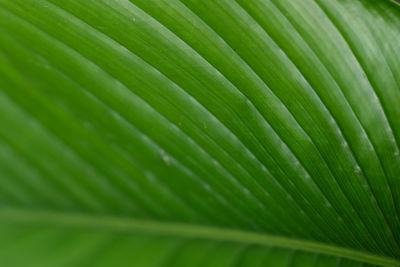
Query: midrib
114	223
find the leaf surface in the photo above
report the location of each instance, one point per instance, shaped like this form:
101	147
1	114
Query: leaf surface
208	133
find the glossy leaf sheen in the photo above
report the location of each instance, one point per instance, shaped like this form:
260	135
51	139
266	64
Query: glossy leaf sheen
199	133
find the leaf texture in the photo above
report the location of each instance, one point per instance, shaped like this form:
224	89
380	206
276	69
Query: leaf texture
208	133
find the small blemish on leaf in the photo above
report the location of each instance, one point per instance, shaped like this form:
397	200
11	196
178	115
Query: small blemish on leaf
165	157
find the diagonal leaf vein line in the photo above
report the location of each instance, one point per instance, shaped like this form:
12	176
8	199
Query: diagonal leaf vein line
115	224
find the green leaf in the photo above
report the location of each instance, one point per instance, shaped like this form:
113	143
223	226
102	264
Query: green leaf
199	133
